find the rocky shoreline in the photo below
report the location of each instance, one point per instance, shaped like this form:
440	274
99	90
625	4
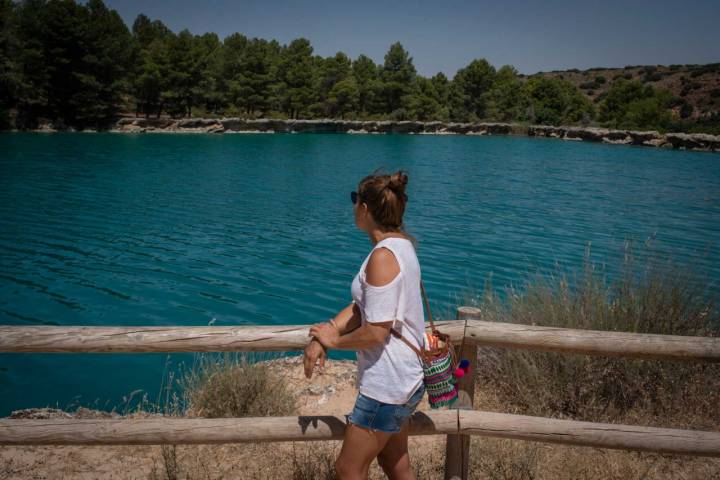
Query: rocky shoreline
680	141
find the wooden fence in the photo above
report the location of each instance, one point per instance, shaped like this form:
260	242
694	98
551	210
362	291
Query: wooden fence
458	424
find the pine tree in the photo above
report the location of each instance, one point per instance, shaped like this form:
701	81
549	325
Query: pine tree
369	86
330	72
398	76
10	75
468	93
295	78
251	84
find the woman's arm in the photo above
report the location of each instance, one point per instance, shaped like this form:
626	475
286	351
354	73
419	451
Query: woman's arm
366	336
348	334
348	319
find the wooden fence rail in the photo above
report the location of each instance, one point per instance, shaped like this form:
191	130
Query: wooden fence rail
294	337
168	430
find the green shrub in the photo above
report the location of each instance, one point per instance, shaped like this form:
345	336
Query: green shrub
630	104
555	102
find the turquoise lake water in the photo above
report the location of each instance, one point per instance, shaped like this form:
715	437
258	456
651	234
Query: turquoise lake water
112	229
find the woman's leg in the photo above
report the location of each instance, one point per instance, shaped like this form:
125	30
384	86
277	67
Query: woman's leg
394	458
359	449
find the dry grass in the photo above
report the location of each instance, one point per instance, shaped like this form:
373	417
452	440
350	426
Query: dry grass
658	298
234	386
315	461
219	386
497	459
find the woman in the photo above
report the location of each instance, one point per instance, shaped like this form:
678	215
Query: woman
386	302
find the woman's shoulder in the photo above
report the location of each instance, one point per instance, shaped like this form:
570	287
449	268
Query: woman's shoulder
382	267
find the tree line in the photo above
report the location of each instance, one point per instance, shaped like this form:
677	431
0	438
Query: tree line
79	65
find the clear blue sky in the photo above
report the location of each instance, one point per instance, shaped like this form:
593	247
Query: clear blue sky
446	35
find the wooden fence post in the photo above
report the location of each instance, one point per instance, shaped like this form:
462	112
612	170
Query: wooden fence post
457	447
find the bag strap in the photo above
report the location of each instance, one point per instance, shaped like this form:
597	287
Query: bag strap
427	306
432	325
407	342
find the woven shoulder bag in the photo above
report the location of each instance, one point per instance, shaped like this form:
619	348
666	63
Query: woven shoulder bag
438	360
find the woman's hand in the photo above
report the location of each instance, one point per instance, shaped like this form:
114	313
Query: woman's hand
314	354
326	334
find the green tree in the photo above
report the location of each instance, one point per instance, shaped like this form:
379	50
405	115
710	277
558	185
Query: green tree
71	62
294	90
34	77
331	71
60	32
442	87
369	86
231	55
10	75
506	101
107	61
554	101
187	63
147	31
151	77
468	92
425	102
153	40
398	76
630	104
213	86
251	84
344	97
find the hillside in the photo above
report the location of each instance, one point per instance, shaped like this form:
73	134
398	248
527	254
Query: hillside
696	87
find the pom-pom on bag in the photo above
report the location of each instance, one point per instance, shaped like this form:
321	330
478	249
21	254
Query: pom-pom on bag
439	362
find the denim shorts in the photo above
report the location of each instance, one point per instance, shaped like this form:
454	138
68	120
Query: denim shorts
385	417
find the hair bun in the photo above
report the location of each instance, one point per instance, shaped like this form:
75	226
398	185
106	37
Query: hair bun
398	181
